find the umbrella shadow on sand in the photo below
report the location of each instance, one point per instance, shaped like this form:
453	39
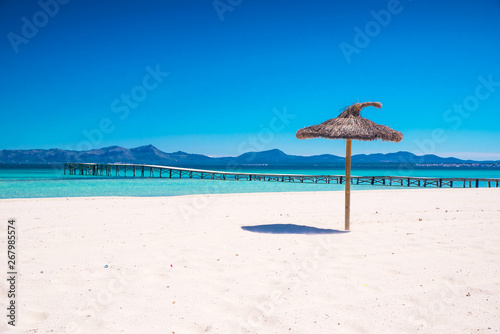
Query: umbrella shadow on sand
290	229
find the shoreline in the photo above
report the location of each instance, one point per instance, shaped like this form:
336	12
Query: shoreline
415	260
375	188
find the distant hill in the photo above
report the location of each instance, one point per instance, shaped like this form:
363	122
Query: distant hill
402	156
151	155
278	157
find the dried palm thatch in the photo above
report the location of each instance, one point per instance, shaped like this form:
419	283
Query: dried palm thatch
350	125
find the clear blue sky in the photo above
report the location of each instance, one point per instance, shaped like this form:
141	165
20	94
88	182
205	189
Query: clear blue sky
79	76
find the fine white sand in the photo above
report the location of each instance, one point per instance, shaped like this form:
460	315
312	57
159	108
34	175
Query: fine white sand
423	260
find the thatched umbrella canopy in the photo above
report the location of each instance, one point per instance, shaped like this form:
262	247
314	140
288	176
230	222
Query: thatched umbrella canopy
350	125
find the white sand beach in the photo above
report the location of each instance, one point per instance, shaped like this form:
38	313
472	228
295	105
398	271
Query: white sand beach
419	260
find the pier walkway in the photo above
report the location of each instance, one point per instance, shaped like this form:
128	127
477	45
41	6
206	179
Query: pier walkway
154	171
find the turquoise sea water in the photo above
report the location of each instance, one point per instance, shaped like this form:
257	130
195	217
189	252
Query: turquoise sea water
31	181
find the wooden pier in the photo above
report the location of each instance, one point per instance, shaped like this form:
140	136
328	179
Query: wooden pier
154	171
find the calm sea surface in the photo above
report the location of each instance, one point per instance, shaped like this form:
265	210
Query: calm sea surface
31	181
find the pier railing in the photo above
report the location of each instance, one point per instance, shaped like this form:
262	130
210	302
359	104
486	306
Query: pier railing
155	171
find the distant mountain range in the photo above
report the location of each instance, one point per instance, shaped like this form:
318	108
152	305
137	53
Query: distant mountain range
151	155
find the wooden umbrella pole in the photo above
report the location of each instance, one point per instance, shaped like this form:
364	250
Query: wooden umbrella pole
348	185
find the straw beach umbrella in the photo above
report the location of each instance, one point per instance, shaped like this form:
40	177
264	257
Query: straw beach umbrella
350	125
